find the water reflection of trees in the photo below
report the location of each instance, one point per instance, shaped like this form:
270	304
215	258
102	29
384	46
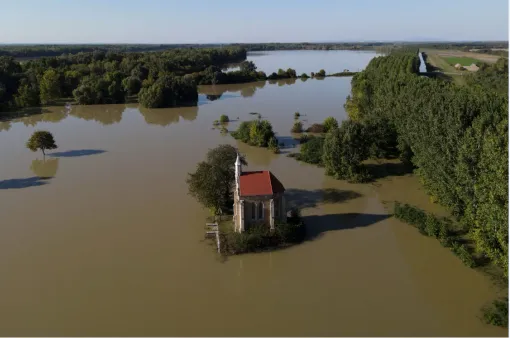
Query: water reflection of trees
5	126
212	97
45	168
166	116
104	114
42	115
214	92
286	82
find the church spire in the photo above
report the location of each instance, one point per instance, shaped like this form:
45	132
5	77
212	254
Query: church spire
239	170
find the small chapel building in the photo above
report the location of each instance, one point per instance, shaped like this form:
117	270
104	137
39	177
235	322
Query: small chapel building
258	198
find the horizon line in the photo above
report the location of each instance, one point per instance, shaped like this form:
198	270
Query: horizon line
245	43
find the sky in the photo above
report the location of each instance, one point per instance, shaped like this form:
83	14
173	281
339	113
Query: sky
228	21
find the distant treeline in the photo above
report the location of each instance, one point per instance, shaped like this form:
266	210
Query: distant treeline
32	51
310	46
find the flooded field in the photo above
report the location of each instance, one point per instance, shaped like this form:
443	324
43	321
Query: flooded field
101	238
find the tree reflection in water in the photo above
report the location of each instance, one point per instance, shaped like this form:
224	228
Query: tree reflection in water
166	116
104	114
46	168
216	92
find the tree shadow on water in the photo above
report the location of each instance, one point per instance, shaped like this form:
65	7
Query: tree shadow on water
77	153
19	183
310	198
317	225
382	170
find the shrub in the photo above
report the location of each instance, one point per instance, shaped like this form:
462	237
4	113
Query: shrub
316	128
273	145
297	115
461	251
410	214
304	76
304	138
330	123
497	313
224	119
432	226
311	151
259	237
297	127
429	225
256	133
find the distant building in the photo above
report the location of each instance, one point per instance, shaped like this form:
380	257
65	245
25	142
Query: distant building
258	198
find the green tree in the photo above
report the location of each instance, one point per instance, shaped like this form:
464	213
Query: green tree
41	140
248	66
330	123
132	85
291	73
49	86
297	127
212	183
312	150
321	73
344	150
27	96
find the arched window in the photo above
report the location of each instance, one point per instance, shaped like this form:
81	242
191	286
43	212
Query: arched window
261	210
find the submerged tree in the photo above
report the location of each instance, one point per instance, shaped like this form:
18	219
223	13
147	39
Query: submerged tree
41	140
213	182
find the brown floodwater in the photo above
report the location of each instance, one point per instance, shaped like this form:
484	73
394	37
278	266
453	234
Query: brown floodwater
101	238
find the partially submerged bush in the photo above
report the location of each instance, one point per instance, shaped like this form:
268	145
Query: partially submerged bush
273	145
311	151
316	128
224	119
297	115
297	127
497	313
432	226
256	133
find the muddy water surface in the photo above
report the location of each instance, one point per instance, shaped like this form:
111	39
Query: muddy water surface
101	238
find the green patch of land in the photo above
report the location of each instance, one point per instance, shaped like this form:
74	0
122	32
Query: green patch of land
439	64
463	61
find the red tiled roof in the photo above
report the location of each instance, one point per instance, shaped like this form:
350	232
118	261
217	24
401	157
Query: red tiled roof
253	183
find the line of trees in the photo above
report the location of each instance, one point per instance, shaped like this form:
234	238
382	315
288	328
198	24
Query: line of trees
455	136
33	51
